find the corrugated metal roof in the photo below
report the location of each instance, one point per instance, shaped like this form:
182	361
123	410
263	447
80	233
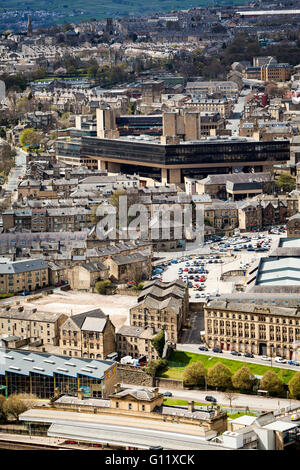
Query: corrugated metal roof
26	363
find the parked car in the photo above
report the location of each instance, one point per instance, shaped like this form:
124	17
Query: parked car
265	358
26	293
294	363
211	399
235	353
217	350
203	348
167	394
248	354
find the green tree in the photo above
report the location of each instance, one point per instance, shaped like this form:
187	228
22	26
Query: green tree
219	376
158	342
30	137
272	383
154	367
194	375
102	286
243	380
138	286
132	107
92	71
294	386
286	183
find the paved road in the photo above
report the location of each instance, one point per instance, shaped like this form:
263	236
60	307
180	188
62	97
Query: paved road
234	122
253	402
15	175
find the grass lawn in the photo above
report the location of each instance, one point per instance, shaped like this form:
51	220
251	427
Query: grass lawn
239	413
183	359
174	402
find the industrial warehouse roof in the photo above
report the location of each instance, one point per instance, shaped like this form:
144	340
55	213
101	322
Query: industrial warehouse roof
278	271
26	363
289	243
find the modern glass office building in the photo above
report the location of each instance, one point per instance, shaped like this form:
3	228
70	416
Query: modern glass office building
46	374
171	162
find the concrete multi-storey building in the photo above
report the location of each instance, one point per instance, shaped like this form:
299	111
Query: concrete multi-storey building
252	327
89	334
27	275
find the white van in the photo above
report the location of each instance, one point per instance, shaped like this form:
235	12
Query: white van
280	360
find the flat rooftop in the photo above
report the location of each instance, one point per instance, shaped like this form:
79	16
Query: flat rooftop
278	271
289	243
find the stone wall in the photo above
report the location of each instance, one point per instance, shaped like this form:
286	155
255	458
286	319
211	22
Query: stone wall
134	375
132	292
168	383
235	272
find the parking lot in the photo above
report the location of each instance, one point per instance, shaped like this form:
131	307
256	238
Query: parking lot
203	268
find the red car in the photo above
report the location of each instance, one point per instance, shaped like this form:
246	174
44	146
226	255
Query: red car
186	269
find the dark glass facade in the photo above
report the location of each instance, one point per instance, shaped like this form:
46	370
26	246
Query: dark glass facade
206	153
43	386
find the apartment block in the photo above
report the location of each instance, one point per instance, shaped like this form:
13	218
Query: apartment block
27	275
28	323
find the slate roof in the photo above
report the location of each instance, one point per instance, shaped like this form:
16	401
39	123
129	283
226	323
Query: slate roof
138	393
239	307
29	314
80	318
16	267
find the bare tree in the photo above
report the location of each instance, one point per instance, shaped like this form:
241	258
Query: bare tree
230	395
